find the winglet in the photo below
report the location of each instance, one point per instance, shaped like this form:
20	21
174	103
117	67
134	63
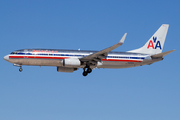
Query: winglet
123	38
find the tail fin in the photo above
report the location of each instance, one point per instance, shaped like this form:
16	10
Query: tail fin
155	44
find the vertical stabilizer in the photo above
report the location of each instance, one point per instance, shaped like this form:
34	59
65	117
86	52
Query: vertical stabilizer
155	44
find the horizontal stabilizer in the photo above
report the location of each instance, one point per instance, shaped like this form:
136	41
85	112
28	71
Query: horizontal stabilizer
161	55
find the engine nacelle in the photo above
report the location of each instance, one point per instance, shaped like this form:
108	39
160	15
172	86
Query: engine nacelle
66	69
71	62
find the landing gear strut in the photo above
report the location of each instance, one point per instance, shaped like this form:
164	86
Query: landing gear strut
19	65
87	70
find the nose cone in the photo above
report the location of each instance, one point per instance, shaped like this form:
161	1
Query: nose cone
6	57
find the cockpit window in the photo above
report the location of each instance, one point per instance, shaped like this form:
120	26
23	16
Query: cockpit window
14	53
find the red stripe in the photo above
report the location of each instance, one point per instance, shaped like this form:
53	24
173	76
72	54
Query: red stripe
16	56
120	60
38	57
42	57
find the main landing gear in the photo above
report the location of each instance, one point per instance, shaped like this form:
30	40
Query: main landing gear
87	70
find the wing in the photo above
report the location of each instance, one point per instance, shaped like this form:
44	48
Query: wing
98	56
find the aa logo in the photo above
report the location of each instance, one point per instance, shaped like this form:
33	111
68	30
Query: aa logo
151	44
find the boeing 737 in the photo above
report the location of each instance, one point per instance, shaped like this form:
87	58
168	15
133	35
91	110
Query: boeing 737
72	60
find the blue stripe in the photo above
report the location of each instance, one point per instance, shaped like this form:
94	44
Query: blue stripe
78	55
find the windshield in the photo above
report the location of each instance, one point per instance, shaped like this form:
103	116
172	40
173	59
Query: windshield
13	53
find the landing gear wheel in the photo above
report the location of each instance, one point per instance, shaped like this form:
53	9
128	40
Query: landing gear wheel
85	73
20	69
89	70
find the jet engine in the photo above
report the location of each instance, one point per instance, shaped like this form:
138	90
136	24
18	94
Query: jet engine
66	69
71	62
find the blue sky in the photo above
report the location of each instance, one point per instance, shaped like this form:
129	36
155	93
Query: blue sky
41	93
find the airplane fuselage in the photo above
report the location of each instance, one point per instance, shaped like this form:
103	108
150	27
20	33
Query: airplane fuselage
51	57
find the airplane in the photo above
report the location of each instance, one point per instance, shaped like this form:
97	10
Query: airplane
72	60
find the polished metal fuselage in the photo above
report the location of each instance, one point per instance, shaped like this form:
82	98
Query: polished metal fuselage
54	57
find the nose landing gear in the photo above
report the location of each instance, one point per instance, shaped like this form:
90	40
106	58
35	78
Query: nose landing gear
20	69
18	65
